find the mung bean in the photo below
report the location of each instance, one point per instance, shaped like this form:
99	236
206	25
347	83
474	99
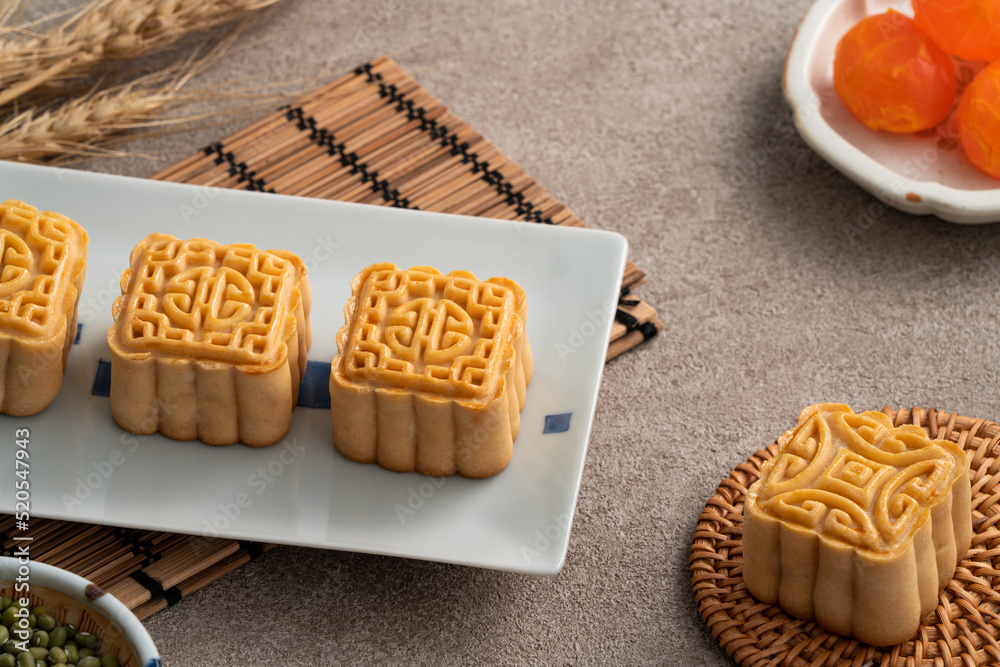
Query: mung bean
57	636
51	644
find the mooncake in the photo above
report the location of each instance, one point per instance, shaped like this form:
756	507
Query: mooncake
431	372
857	524
209	341
43	261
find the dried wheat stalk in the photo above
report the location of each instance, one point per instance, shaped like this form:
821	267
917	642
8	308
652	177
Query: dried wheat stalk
102	31
90	125
82	127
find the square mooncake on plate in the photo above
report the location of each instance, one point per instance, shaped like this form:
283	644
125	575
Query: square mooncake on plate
43	261
432	371
209	341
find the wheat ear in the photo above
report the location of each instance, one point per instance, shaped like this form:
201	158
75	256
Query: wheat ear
104	30
90	125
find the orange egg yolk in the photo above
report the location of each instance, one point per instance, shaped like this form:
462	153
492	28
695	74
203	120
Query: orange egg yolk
968	29
893	77
979	120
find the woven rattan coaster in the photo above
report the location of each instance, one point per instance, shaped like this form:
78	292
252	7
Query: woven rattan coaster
963	629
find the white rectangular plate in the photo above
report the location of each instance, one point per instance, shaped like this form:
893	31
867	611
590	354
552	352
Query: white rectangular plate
301	491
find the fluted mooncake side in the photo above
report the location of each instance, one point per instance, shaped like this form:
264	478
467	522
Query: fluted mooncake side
432	371
209	341
43	262
857	524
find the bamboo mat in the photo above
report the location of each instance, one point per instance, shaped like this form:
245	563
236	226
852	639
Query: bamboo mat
146	570
373	136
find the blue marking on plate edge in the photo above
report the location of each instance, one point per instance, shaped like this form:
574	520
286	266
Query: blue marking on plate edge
557	423
102	380
314	390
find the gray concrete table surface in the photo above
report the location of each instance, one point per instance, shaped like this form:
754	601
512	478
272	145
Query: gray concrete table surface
663	121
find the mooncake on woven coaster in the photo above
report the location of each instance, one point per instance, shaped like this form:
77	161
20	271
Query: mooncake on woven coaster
856	523
963	627
209	341
432	371
43	260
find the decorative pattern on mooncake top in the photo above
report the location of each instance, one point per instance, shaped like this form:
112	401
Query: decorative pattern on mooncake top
429	332
857	523
207	301
232	319
432	371
43	261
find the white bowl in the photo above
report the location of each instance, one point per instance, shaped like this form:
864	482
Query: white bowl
73	599
916	174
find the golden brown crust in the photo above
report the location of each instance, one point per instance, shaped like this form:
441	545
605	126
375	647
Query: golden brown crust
857	524
432	371
209	341
43	262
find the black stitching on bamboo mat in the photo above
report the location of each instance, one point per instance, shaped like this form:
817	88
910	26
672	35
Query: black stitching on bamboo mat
494	177
365	69
172	595
154	587
326	139
648	330
626	298
139	546
253	549
241	170
632	323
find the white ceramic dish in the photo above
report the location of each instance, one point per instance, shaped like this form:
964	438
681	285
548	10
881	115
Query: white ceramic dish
915	174
301	491
63	592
